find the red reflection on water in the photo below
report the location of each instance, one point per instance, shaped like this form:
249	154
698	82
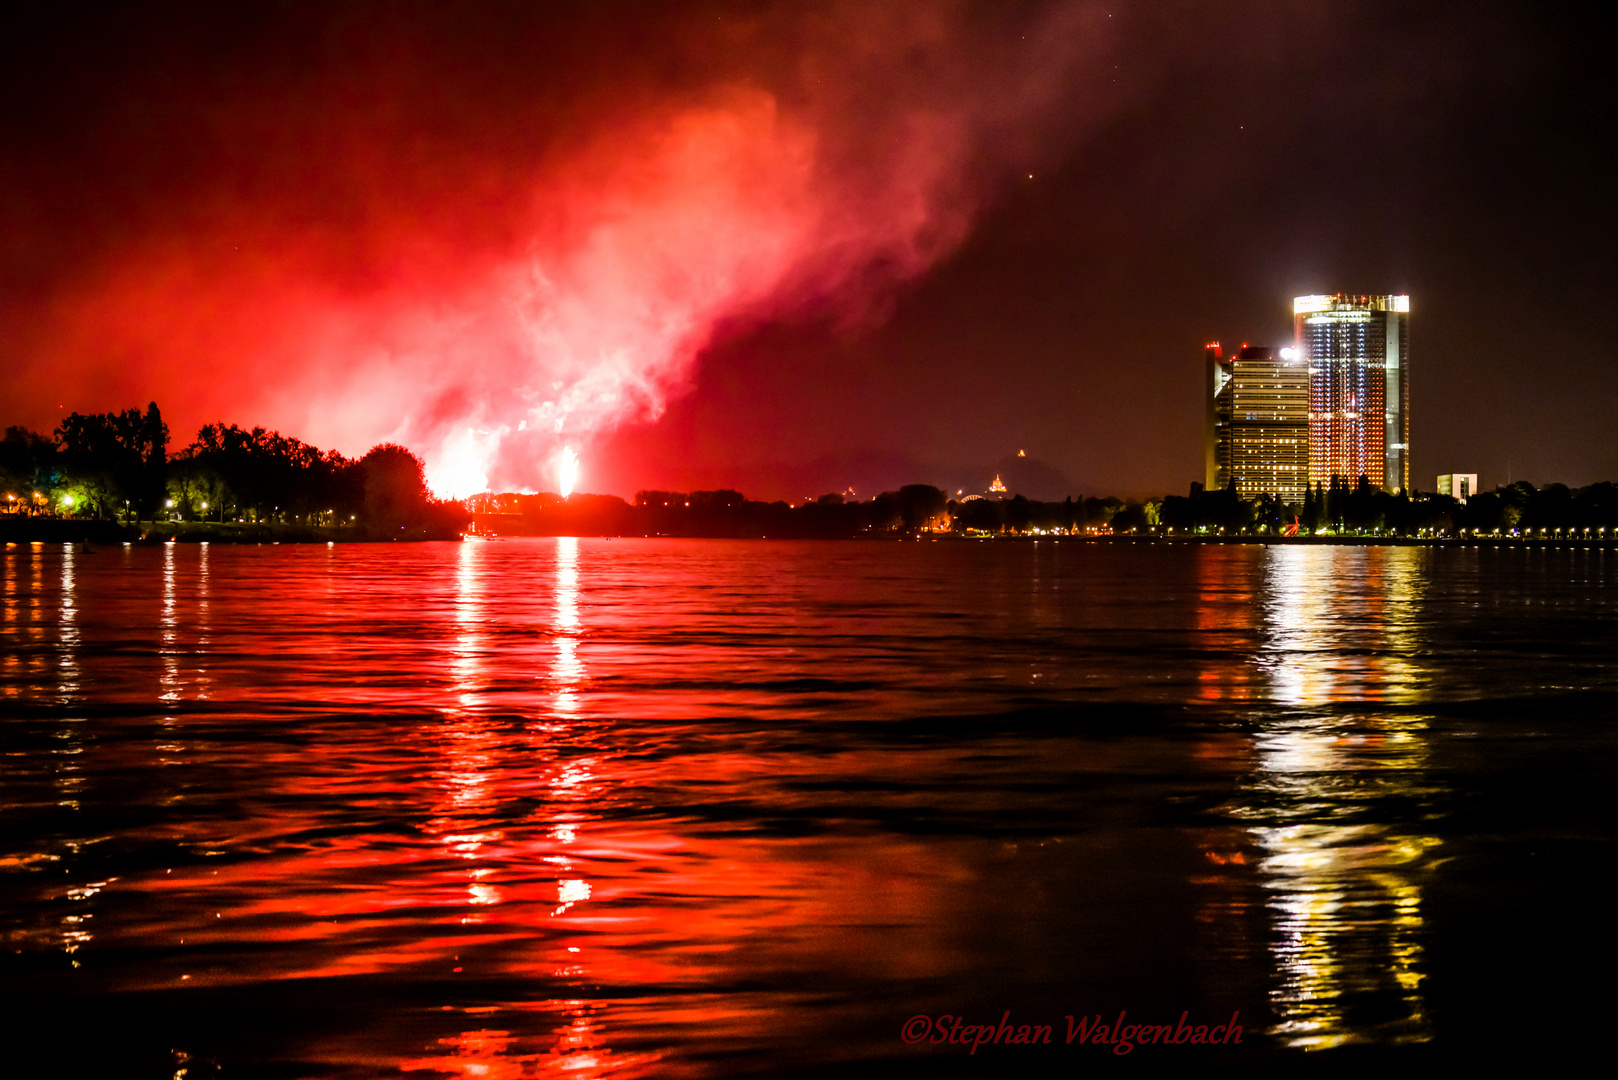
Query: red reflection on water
593	799
525	866
1225	617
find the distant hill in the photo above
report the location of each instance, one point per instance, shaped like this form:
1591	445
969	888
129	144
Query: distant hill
1020	475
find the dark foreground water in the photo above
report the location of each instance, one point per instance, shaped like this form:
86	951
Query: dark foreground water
608	808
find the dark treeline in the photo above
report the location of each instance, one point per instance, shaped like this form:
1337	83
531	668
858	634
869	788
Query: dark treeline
116	467
709	513
104	465
914	508
1364	509
1335	509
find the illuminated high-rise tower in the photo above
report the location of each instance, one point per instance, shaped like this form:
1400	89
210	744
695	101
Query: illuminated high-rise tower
1358	350
1257	427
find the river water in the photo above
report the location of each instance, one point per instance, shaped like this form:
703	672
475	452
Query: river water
624	808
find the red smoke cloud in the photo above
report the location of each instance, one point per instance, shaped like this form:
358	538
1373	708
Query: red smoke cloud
491	305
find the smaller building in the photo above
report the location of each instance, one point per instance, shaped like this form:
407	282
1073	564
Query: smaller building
1256	432
1458	486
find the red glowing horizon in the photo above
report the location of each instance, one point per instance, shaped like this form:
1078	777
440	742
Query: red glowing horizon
496	305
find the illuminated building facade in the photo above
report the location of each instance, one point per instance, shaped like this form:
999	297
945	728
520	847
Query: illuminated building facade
1459	486
1256	431
1358	352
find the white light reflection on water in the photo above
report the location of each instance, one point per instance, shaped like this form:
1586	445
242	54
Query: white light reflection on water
1338	858
168	676
472	743
182	672
530	864
567	670
572	787
204	624
168	633
67	616
466	665
75	931
69	772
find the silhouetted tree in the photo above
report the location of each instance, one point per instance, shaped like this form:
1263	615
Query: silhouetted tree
395	487
921	506
28	465
1269	513
115	461
1099	512
152	445
1514	500
264	476
980	515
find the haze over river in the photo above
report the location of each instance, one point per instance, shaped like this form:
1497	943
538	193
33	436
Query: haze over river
692	807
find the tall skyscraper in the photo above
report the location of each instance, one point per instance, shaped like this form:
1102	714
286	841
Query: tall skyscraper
1358	351
1257	427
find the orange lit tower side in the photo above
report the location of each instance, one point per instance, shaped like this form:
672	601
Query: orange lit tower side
1358	351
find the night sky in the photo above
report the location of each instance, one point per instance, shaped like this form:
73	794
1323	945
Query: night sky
798	248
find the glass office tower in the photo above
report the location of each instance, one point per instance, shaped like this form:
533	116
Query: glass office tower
1257	427
1358	352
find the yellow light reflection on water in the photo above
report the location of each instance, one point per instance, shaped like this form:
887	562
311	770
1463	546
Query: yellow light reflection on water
1341	861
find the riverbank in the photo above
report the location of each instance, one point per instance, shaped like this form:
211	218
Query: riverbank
1106	539
1374	541
36	530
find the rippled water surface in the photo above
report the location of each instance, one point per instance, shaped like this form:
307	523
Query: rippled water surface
705	808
